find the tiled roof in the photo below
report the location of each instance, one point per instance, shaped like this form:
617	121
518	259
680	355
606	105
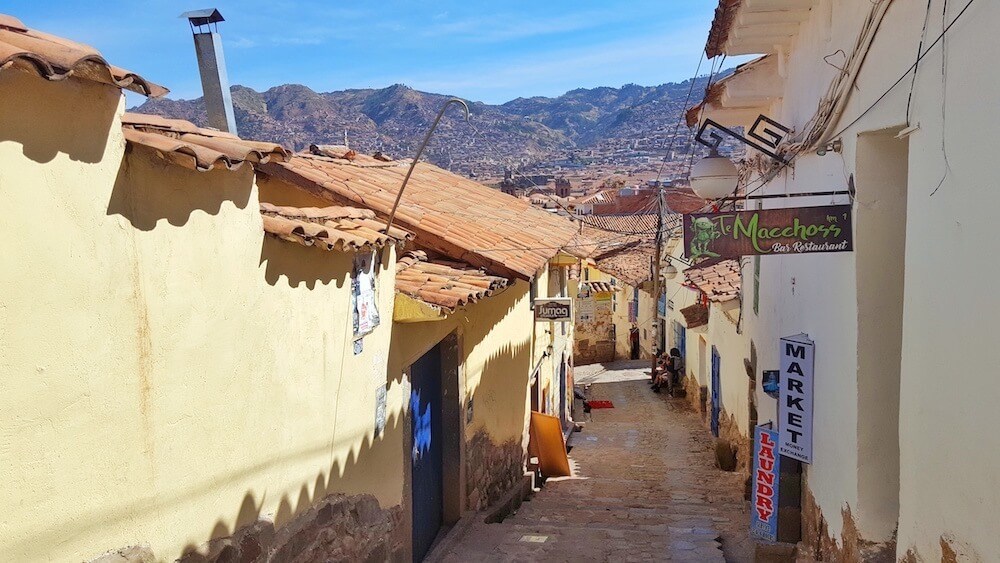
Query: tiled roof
725	14
441	283
330	228
714	92
631	264
452	215
695	316
642	202
183	143
682	200
598	287
56	58
602	196
720	281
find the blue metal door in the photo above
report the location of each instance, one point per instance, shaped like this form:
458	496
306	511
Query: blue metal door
427	482
716	391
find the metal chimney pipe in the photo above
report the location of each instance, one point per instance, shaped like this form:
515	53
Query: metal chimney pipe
212	67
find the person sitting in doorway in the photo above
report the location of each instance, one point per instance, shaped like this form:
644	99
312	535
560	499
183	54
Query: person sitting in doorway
657	366
676	369
661	373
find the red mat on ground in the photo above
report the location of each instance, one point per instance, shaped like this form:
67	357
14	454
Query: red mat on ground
600	404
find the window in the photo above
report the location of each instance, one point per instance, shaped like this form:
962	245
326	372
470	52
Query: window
533	293
586	274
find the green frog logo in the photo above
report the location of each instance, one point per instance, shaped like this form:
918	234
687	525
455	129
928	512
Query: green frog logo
704	231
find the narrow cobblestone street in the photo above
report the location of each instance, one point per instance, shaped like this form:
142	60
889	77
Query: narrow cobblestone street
645	489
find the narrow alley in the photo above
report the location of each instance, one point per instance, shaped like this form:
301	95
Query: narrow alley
640	492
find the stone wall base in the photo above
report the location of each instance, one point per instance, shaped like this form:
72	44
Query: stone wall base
819	545
337	528
741	446
493	469
697	396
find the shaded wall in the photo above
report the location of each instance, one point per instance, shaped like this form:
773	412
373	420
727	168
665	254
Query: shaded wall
172	374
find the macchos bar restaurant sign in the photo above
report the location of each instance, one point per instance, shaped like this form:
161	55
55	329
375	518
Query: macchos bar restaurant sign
768	231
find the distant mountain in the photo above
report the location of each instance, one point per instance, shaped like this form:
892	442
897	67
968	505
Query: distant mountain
394	120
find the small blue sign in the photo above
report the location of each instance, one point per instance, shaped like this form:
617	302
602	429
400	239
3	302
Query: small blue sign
764	492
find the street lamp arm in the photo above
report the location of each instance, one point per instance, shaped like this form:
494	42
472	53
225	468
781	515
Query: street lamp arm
420	151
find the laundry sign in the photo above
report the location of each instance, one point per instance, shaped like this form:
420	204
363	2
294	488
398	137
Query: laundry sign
764	491
795	397
801	230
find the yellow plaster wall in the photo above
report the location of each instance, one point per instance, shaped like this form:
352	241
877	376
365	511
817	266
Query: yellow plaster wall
495	348
495	339
170	374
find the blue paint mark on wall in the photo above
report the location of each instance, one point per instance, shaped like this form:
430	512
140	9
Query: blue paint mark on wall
421	414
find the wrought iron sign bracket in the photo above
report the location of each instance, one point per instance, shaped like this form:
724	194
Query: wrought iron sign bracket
765	135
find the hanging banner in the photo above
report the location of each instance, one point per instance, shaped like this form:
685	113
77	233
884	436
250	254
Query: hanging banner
363	300
795	398
764	491
800	230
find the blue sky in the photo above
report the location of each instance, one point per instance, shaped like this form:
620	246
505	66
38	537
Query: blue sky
487	51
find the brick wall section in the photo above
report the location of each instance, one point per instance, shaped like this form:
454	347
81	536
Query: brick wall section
492	469
338	528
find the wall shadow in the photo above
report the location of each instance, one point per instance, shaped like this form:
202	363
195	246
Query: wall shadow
148	189
303	265
75	119
249	533
500	398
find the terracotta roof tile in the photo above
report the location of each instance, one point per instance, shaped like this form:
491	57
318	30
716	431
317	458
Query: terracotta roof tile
695	316
720	281
452	215
683	200
714	92
631	264
331	228
725	15
593	287
443	284
195	148
56	58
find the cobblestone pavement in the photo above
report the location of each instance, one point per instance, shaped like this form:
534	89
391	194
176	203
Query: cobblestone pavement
644	489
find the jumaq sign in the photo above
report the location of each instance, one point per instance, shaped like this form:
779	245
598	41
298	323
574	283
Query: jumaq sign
769	231
554	309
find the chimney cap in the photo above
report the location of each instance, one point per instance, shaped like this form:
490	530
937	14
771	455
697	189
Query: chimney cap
203	17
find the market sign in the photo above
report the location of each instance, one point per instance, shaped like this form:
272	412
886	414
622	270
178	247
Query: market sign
801	230
795	397
556	309
764	491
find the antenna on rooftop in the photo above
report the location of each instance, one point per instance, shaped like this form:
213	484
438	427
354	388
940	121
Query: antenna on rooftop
212	67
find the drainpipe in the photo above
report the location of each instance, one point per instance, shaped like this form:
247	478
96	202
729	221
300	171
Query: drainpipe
212	67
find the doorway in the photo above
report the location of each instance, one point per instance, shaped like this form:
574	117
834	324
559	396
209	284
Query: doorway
880	219
426	456
716	391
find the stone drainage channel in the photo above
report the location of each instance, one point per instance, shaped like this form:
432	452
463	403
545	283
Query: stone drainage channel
645	488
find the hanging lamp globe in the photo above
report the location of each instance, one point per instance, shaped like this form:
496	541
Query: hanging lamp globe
714	177
669	271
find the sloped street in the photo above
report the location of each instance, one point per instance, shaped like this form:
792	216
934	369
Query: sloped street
644	489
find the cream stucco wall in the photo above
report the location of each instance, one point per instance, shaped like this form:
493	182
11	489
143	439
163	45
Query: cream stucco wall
723	331
948	481
171	374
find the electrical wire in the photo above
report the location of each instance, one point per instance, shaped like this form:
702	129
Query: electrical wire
803	147
916	67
